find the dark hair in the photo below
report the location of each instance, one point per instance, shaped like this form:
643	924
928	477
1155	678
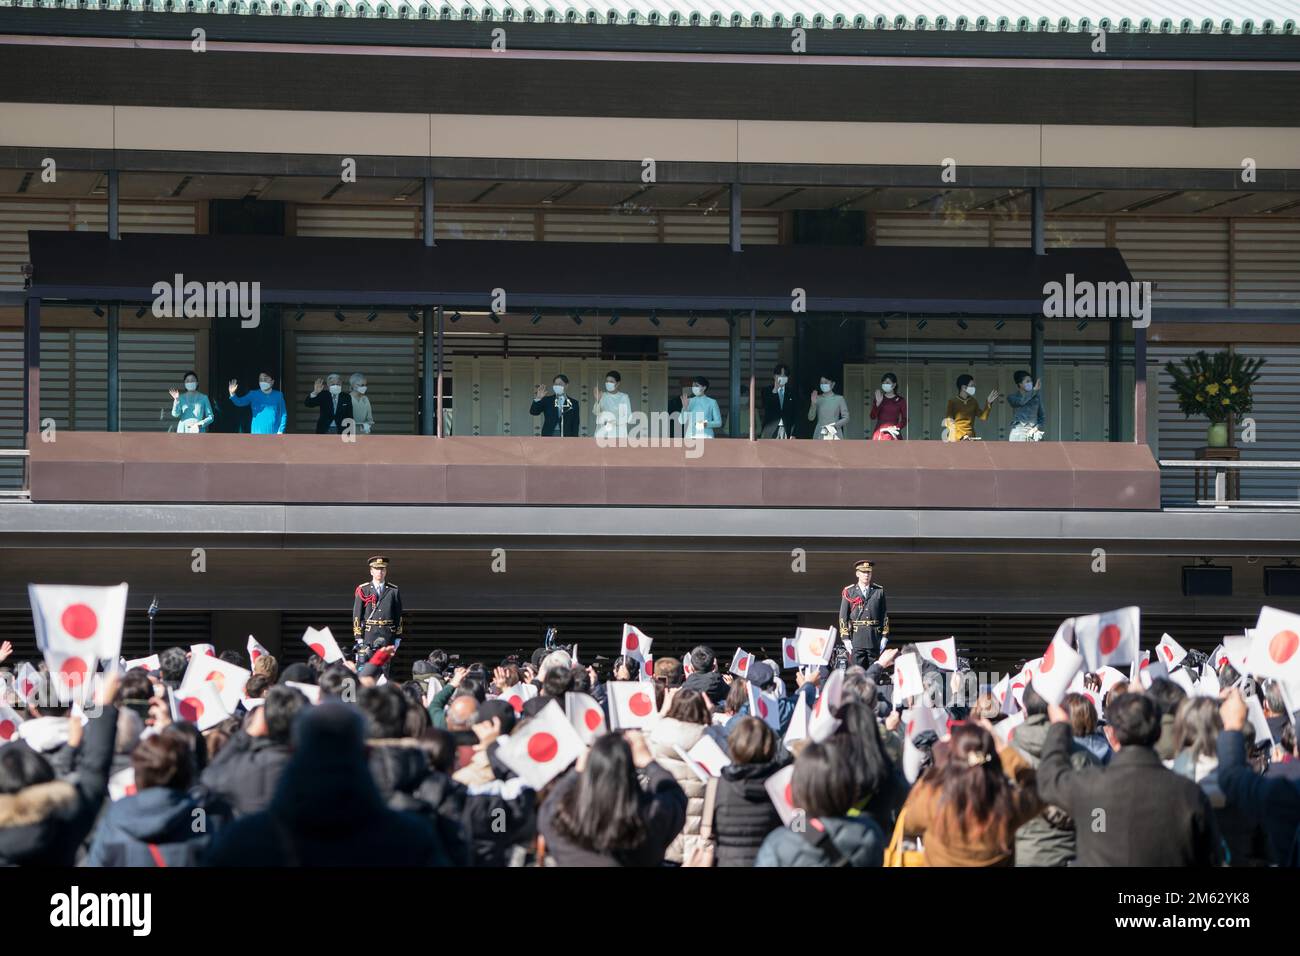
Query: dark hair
964	380
269	375
581	680
1273	698
335	679
737	696
974	796
232	657
471	687
858	686
1197	725
22	767
700	380
189	373
135	687
889	377
1032	701
172	663
282	706
163	761
614	375
832	380
601	812
703	659
561	377
558	682
1166	695
692	707
1083	716
821	787
439	660
751	741
256	686
194	740
671	671
781	368
1019	375
385	710
863	750
440	746
1135	718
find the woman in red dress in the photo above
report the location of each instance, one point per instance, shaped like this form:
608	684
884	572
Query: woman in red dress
888	410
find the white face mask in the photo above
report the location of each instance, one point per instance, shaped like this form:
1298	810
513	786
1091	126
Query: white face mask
697	389
336	389
191	386
265	386
610	386
1027	385
558	389
887	387
781	381
825	387
361	390
970	390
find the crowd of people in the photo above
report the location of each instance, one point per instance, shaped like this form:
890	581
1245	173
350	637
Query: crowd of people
335	764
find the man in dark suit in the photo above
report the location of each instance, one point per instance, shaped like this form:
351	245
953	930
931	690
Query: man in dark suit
335	406
1132	812
559	411
778	405
863	616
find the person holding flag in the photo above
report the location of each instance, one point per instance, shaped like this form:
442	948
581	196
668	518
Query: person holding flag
863	617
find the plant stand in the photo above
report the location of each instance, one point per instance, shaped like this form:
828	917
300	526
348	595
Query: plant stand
1206	479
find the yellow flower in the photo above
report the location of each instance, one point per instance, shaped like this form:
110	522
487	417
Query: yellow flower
1200	397
1212	388
1226	402
1233	390
1227	381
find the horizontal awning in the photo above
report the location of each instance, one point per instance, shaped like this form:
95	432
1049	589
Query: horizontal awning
392	273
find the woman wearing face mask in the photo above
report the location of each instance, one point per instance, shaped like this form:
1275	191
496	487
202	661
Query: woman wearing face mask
828	410
335	407
1029	417
191	407
269	412
612	410
360	404
888	410
965	408
778	406
700	414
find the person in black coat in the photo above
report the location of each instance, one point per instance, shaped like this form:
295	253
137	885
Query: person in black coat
744	813
559	411
779	414
1132	812
1271	801
705	678
326	810
335	405
248	769
43	820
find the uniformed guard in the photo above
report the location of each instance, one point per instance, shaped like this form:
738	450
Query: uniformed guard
863	618
377	608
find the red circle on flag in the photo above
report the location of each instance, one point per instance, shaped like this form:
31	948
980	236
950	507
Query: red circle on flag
762	708
1048	659
1145	664
218	679
630	641
592	718
7	729
645	667
1168	652
79	621
73	671
1223	660
191	709
542	747
817	707
898	674
27	688
939	655
131	791
517	703
1109	639
744	664
1017	686
640	704
789	651
911	726
789	794
318	650
1283	646
817	646
256	655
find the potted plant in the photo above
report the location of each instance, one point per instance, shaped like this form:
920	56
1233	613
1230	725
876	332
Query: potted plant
1216	386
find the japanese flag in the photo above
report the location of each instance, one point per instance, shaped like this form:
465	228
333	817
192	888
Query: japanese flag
1237	650
518	695
255	650
764	706
322	644
687	667
740	662
1151	671
789	653
1170	651
1275	649
76	627
1183	679
907	678
228	679
917	721
708	755
635	643
1079	686
780	790
1218	658
1208	684
198	702
823	722
122	784
310	691
798	728
941	653
1059	664
1139	664
1110	676
152	663
813	645
10	721
1016	691
1000	689
27	682
585	714
1108	638
1005	729
203	650
543	749
648	669
631	704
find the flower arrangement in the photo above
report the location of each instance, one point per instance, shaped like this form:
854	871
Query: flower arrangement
1215	386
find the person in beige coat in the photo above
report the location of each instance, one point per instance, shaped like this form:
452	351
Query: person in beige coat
685	719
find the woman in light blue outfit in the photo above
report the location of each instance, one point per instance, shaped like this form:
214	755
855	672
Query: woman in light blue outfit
191	407
700	413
